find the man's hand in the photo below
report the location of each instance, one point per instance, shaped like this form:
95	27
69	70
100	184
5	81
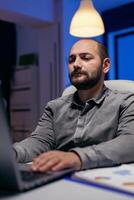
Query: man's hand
55	161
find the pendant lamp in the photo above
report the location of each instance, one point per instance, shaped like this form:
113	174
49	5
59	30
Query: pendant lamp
86	22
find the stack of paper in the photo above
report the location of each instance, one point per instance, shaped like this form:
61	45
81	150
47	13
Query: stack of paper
120	179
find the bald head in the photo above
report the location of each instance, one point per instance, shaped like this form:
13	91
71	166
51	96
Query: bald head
98	47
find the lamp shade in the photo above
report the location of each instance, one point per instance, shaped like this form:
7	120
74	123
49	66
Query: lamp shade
86	22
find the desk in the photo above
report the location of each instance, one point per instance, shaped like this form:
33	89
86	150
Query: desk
66	190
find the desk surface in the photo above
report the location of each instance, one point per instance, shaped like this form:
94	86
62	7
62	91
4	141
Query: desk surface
65	190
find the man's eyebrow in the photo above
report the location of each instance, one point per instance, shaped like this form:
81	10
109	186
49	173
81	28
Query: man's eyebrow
85	53
82	53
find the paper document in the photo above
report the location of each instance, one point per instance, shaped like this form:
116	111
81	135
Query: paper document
120	178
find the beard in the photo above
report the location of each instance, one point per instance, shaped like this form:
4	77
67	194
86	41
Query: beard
88	82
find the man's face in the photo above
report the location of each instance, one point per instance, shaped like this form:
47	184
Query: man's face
85	65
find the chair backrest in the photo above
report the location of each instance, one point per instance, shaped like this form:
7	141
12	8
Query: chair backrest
120	85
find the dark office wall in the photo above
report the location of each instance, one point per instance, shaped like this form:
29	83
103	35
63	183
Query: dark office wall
7	57
118	19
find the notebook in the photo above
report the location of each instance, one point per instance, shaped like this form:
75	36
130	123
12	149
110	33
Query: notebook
14	176
118	179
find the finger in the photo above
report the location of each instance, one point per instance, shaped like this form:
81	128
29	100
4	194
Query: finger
59	166
49	154
39	161
42	163
48	166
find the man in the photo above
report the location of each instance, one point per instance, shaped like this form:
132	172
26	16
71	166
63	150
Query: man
93	127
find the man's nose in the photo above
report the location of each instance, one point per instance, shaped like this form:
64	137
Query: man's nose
77	63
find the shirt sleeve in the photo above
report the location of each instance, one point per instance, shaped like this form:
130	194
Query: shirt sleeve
41	140
116	151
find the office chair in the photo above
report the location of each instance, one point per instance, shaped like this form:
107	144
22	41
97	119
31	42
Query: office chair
120	85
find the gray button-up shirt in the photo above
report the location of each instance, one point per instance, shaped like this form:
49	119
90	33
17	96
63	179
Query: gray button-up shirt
101	131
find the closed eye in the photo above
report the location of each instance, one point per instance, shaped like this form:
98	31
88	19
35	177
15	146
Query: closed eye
82	56
85	56
71	59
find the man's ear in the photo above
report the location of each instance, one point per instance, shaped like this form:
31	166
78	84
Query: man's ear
106	65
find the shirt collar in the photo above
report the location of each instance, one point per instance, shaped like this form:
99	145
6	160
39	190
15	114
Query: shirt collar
97	100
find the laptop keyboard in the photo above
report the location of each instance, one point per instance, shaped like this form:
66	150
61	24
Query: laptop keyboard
31	176
34	179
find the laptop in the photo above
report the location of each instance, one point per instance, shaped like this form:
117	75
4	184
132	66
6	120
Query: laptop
17	177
